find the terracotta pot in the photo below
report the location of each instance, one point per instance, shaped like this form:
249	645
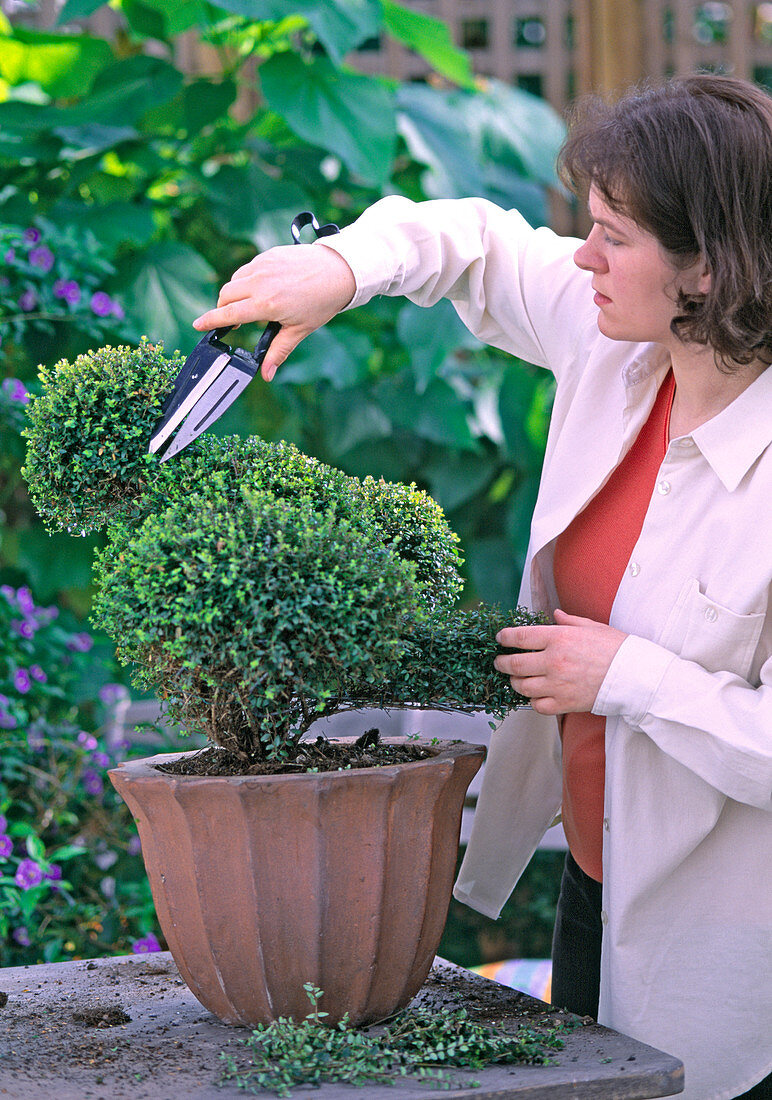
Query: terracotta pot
264	883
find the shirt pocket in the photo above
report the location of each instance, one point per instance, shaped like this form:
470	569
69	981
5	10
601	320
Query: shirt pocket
714	636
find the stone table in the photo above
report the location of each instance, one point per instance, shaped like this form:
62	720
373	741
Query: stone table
128	1027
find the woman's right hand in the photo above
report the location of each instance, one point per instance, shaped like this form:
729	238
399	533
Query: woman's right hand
302	286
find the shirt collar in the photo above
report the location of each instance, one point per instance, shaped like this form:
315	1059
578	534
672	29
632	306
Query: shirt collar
733	440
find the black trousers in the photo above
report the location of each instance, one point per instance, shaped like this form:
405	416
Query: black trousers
576	952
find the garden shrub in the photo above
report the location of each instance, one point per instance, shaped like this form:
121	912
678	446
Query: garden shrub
254	588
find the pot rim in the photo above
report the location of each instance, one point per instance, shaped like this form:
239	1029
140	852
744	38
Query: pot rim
146	766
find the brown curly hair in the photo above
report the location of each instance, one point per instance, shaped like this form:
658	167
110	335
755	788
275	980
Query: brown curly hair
691	162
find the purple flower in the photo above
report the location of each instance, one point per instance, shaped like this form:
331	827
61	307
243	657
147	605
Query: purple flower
7	721
23	627
32	235
68	290
145	946
28	874
101	304
6	846
87	740
28	301
25	601
16	391
92	781
134	846
21	936
21	681
3	823
7	591
101	759
37	673
80	643
10	256
110	694
42	257
53	875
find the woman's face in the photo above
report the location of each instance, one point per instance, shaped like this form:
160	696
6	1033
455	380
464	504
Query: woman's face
636	286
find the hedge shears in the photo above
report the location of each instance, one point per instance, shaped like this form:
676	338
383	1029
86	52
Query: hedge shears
214	375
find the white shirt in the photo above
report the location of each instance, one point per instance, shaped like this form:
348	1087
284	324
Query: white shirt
687	841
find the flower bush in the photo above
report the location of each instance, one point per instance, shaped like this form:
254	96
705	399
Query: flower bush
71	878
52	275
254	588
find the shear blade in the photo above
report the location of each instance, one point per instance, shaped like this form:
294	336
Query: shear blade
211	405
183	405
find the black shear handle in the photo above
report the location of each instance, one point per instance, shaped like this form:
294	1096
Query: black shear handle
271	329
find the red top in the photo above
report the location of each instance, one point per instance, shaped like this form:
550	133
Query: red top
591	556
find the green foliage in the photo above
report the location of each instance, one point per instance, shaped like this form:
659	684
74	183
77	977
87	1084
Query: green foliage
71	879
246	613
88	433
421	1043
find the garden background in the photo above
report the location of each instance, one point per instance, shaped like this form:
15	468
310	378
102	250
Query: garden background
135	175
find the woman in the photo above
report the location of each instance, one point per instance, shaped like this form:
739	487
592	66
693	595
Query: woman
651	691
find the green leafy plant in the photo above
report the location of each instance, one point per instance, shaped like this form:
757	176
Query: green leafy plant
254	588
420	1043
71	878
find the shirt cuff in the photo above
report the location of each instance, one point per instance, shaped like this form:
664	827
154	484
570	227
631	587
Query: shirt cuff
371	265
633	679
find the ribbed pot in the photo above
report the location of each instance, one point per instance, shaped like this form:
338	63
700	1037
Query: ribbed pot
264	883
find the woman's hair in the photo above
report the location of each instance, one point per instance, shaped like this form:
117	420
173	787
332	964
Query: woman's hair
690	161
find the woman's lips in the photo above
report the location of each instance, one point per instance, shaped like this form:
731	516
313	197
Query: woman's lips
601	299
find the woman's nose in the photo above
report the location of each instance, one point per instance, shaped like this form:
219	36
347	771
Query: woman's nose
588	256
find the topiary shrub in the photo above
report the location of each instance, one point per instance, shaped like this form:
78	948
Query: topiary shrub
254	588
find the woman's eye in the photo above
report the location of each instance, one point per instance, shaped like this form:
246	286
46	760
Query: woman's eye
610	240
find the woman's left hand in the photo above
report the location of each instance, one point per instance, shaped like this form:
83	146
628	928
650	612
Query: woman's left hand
565	665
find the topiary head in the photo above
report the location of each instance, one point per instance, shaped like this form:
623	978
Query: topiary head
88	433
250	615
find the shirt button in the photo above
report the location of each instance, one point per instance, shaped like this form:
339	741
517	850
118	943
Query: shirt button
603	916
634	568
605	823
710	614
663	488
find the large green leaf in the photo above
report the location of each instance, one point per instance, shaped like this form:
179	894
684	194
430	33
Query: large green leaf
337	355
114	224
78	9
248	204
123	92
455	477
164	289
350	115
340	25
500	144
437	415
430	335
63	65
429	37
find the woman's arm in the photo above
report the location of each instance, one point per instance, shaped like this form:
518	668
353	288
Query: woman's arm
514	287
